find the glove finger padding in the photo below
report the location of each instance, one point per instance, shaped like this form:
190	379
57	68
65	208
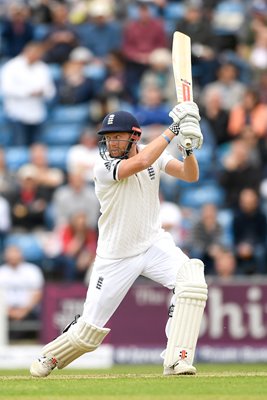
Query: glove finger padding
182	141
189	128
186	108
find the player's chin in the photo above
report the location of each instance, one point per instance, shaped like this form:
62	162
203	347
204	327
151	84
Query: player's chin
115	153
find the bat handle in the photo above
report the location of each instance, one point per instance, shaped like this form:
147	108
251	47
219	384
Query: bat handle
188	143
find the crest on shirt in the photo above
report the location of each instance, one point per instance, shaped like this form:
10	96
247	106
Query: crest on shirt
151	173
108	165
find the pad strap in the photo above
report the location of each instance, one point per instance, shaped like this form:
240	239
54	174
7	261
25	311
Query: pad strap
80	338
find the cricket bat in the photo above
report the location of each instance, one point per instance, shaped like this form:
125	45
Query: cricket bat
182	69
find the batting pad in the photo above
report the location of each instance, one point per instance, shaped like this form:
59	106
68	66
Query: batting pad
79	339
191	296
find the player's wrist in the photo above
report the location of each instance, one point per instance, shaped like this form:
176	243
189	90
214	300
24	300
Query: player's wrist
188	152
166	137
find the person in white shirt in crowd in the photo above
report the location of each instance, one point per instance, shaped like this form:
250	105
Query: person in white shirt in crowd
22	283
171	219
26	87
76	195
84	155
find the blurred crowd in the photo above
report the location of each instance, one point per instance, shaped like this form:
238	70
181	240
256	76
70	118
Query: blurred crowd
63	66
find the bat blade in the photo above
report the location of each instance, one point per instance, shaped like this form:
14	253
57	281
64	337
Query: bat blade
182	69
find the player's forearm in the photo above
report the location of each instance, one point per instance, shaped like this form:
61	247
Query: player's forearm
155	148
191	169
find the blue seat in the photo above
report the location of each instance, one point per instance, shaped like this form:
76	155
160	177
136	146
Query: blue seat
29	245
228	17
72	114
40	31
55	71
16	157
61	134
5	136
57	156
173	12
225	218
197	196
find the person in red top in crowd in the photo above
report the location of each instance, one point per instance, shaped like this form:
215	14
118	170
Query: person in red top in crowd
78	244
140	37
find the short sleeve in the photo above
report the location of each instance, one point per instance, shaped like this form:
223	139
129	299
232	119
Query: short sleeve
106	171
164	159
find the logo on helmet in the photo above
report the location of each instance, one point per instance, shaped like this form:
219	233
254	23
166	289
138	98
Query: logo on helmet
111	119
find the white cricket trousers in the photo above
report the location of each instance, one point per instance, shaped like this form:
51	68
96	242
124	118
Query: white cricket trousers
111	279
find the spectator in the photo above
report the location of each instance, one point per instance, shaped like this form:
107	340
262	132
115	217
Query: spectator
61	38
17	30
73	87
8	180
115	79
78	243
256	35
82	156
228	85
224	264
26	86
29	202
41	12
101	33
76	195
207	236
249	234
23	286
160	74
136	49
261	86
250	111
171	220
215	115
48	178
152	109
238	172
196	25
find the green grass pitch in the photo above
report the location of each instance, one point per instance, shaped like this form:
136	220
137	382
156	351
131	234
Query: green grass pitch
213	382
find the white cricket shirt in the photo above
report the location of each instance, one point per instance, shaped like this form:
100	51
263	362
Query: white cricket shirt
129	221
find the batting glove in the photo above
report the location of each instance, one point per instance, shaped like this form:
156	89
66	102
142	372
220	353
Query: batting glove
186	108
190	129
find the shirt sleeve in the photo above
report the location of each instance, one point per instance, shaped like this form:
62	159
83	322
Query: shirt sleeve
107	171
164	159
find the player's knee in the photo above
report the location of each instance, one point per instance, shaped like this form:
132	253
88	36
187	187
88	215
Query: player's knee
191	280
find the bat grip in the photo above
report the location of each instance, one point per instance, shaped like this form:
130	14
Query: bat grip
188	143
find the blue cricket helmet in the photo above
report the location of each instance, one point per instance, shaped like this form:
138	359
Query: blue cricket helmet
119	121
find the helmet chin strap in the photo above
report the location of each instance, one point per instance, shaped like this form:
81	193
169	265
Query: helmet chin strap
135	136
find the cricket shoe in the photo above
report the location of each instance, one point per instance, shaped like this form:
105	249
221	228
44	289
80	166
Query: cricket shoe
43	366
182	368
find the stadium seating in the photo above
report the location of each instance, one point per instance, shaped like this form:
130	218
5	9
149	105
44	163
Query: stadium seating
67	113
195	196
29	245
16	157
57	156
61	134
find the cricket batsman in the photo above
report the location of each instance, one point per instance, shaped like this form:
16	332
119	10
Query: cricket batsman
132	243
